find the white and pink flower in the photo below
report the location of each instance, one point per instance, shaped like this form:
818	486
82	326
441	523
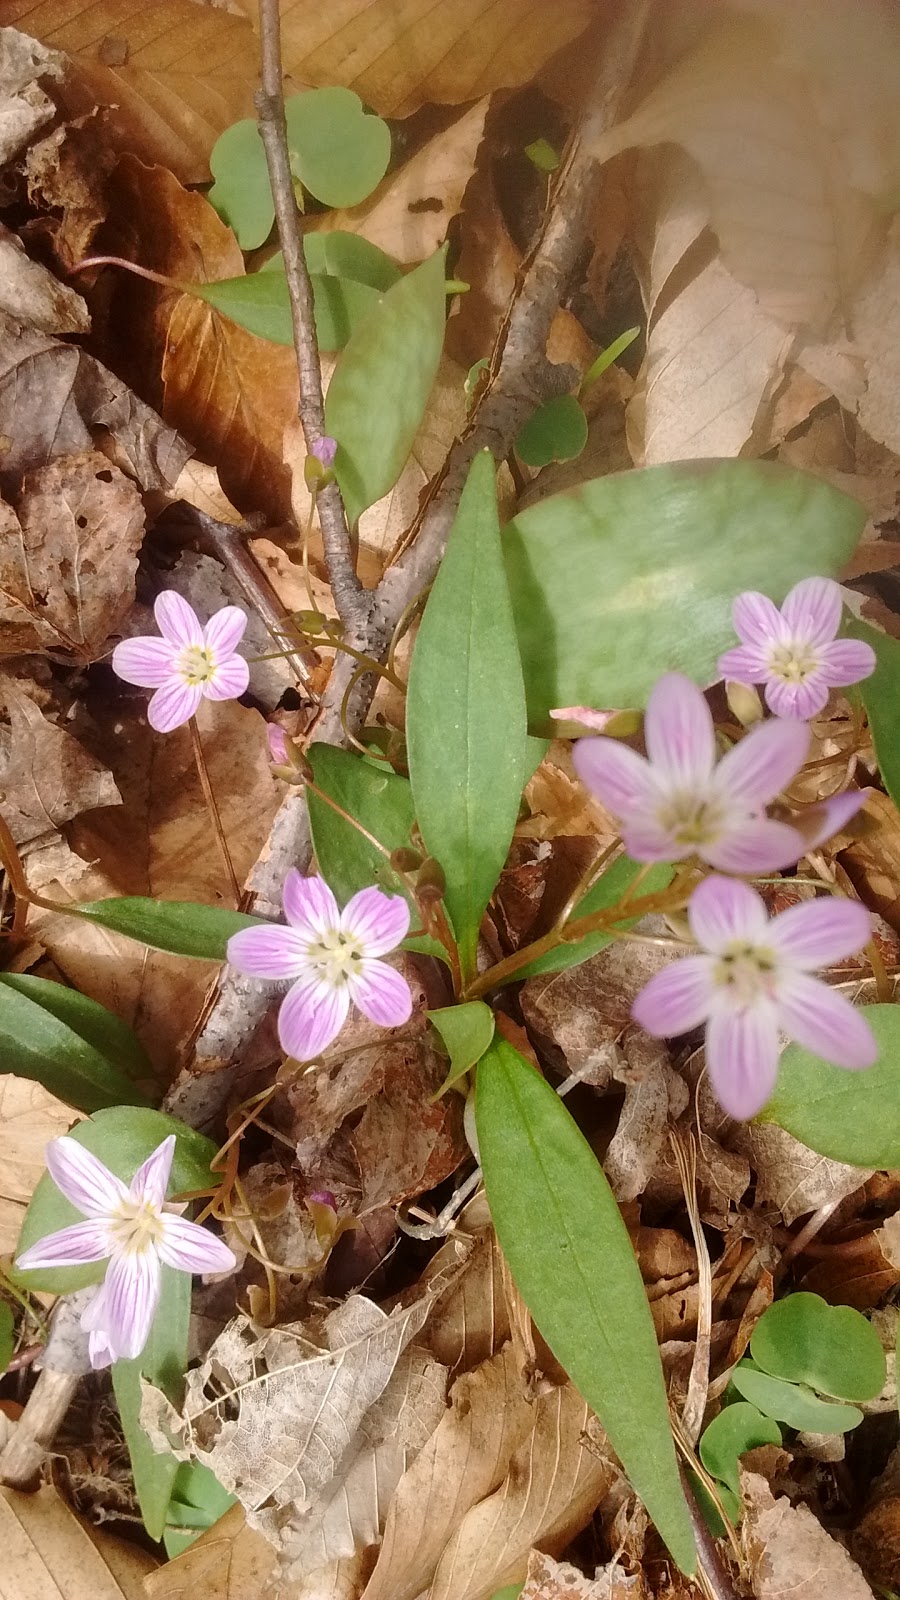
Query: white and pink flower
189	663
795	652
752	983
331	958
130	1226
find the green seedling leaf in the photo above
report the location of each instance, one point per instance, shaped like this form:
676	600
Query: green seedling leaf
465	712
606	892
737	1428
70	1044
848	1116
558	431
542	155
241	192
831	1348
634	574
260	303
163	1362
606	358
377	397
346	255
792	1403
466	1030
570	1255
880	695
122	1137
339	152
198	1500
182	927
731	1504
7	1335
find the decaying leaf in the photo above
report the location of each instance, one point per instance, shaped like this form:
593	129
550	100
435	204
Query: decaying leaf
547	1579
230	1561
794	1178
655	1096
24	107
47	777
30	1118
31	294
48	1551
792	1555
471	1318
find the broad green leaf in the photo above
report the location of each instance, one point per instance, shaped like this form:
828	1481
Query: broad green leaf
198	1500
606	892
377	397
123	1138
163	1361
339	152
379	800
570	1255
831	1348
70	1044
182	927
880	695
558	431
347	255
465	712
466	1030
737	1428
7	1334
634	574
260	303
848	1116
792	1403
241	192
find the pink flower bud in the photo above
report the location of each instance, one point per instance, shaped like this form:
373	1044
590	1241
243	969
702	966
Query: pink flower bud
277	742
325	450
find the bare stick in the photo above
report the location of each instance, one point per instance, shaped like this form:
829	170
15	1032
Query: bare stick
213	809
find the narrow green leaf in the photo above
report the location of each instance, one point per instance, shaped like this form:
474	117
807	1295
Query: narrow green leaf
377	397
182	927
558	431
792	1403
7	1334
634	574
606	892
466	1030
70	1044
570	1255
260	302
832	1348
606	358
198	1500
848	1116
465	712
880	695
737	1428
339	152
163	1361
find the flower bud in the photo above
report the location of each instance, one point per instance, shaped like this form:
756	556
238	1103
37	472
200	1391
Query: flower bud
430	883
744	703
406	860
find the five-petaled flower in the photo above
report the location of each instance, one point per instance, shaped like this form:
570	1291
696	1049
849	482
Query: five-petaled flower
753	982
331	958
189	663
795	652
128	1225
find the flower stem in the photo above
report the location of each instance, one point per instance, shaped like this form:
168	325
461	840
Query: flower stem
131	266
213	809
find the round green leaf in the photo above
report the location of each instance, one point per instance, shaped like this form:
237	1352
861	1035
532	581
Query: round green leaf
339	152
181	927
73	1046
241	192
831	1348
737	1428
557	432
466	1030
792	1403
848	1116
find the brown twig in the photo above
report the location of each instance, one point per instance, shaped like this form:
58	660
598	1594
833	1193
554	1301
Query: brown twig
213	809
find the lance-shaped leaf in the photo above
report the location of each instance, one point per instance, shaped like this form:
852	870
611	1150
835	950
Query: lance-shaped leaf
74	1047
182	927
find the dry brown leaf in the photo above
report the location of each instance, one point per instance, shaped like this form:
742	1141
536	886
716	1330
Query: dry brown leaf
47	777
30	1118
872	861
547	1579
24	108
655	1096
471	1319
230	1561
791	1554
860	1274
876	1539
66	177
876	330
794	1178
48	1552
31	294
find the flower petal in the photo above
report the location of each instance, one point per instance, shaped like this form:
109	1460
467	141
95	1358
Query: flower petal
229	681
756	844
380	921
847	661
818	822
381	993
146	661
131	1296
646	840
812	610
189	1248
76	1246
801	700
268	952
767	758
177	621
620	778
820	932
151	1180
676	999
311	1017
309	904
742	1058
94	1321
679	733
757	619
83	1179
721	910
173	705
225	630
824	1022
744	664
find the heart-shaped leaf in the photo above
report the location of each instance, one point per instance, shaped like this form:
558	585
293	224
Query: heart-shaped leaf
241	192
182	927
737	1428
848	1116
466	1030
792	1403
558	431
73	1046
339	152
831	1348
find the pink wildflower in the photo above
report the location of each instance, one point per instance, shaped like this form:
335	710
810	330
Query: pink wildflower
331	959
325	450
752	982
189	663
795	652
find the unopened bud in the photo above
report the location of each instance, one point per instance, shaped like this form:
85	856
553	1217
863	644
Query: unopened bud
744	703
406	860
431	883
322	1197
317	468
278	745
579	720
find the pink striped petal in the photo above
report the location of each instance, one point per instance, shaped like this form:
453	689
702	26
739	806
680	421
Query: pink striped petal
268	951
189	1248
382	994
801	700
742	1058
824	1022
151	1180
757	620
766	760
745	664
148	662
679	733
754	845
646	840
131	1296
309	904
722	910
86	1183
380	921
229	681
812	610
847	661
177	621
676	999
76	1246
95	1322
225	630
311	1017
620	778
820	932
174	705
818	822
